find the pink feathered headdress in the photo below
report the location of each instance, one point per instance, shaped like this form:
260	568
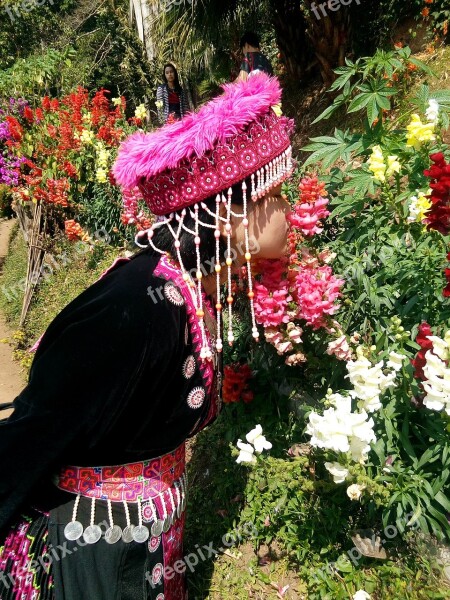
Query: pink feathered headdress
235	136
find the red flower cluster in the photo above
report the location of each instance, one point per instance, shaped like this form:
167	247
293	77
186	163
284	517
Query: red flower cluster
438	217
425	344
73	230
235	383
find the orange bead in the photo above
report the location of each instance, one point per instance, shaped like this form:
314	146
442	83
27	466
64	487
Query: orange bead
230	300
251	294
218	307
200	313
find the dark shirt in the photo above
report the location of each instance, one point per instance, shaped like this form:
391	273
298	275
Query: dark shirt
256	61
174	103
106	386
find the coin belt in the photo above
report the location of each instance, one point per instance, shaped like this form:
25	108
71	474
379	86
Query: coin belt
157	486
157	520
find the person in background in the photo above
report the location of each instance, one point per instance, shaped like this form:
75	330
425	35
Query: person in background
171	99
254	60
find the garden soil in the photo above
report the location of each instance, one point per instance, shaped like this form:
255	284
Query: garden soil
11	379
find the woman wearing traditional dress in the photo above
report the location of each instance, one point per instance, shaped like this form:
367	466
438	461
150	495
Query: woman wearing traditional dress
92	465
171	98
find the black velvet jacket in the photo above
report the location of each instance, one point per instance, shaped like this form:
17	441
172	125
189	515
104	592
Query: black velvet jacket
107	384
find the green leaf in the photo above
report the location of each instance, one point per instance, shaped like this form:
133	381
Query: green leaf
443	500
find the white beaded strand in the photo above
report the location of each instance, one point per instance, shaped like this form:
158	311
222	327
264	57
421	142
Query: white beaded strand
205	352
218	269
229	262
248	258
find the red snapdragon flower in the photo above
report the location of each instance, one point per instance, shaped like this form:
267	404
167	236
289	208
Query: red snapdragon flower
235	383
438	216
425	344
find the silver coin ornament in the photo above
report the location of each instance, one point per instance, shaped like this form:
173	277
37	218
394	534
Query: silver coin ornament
141	534
73	530
183	505
179	510
92	534
157	528
127	534
167	524
113	534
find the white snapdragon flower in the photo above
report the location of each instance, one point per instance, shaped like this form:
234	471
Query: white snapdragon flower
437	383
337	470
369	382
246	454
361	595
354	491
395	361
258	440
432	112
329	431
440	347
341	430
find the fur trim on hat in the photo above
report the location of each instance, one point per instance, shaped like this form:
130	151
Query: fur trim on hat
144	155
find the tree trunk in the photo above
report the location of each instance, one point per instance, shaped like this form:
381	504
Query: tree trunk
290	27
141	14
329	33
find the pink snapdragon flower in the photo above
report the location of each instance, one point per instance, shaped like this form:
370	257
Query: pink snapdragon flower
340	349
317	291
271	306
311	207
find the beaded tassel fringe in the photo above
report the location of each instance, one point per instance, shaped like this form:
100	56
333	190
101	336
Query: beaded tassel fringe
262	181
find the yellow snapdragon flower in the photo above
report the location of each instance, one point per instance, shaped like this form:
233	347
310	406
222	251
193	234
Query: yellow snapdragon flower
376	164
393	165
101	175
140	112
87	136
379	168
419	205
116	101
419	132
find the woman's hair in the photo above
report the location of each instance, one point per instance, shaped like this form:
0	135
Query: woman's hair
163	238
177	81
250	38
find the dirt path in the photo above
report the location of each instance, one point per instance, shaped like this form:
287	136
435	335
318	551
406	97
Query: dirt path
11	378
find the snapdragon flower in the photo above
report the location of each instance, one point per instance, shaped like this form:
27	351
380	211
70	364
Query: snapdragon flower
418	207
437	376
338	471
354	491
432	112
140	112
369	382
256	443
258	440
246	454
341	430
419	133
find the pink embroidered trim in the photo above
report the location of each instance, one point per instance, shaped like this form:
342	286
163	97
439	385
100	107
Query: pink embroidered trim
168	270
196	179
130	482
